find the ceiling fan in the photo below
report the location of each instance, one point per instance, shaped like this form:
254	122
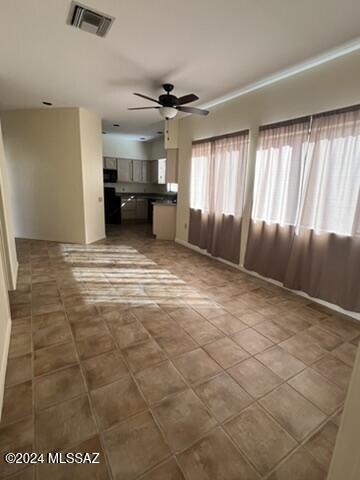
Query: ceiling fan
169	104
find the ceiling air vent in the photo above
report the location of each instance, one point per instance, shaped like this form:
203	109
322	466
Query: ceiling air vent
89	20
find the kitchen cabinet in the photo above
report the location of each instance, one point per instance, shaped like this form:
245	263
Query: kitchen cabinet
141	209
157	171
171	175
133	210
110	163
136	171
164	221
128	209
137	176
146	171
153	171
124	169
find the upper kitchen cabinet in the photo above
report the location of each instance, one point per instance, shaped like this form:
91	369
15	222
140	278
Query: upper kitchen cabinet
153	171
157	171
146	171
171	165
171	133
136	171
125	170
110	163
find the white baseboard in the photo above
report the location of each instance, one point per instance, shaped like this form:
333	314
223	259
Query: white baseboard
96	240
3	360
332	306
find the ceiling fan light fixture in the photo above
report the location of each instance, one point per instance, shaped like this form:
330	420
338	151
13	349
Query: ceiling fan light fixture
168	112
169	105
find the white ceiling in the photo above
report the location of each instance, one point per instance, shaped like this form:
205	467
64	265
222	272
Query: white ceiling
208	47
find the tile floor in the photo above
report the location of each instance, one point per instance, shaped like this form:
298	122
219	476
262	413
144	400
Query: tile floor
171	365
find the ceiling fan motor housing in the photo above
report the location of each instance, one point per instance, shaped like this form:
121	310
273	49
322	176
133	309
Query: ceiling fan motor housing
168	100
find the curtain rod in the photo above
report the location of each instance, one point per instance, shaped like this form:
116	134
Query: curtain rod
220	137
293	121
352	108
285	123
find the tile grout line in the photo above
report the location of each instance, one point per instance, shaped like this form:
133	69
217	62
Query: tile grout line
188	384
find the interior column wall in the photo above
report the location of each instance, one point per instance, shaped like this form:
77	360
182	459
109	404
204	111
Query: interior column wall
43	159
92	175
5	323
8	270
11	263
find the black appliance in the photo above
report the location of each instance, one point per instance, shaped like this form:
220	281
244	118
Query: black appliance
110	175
112	204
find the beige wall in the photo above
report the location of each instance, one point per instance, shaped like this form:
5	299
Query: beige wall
156	149
11	263
116	146
42	148
328	86
92	176
5	323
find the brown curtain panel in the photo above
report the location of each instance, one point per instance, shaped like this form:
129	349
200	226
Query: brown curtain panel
268	249
218	234
280	159
217	194
325	253
326	266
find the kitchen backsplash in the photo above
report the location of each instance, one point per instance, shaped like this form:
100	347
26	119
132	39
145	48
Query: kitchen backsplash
138	187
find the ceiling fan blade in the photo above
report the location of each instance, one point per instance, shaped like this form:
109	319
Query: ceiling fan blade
142	108
147	98
192	110
191	97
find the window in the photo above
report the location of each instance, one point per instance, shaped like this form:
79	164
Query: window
218	170
200	166
310	177
279	171
172	187
161	170
331	200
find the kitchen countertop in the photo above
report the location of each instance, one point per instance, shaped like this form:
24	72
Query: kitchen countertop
164	204
150	196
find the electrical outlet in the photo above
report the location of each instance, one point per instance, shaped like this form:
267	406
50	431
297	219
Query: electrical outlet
100	199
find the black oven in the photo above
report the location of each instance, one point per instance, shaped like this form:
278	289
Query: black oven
110	175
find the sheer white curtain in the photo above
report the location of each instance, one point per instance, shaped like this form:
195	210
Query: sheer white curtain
279	170
230	158
217	195
200	174
218	172
331	197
